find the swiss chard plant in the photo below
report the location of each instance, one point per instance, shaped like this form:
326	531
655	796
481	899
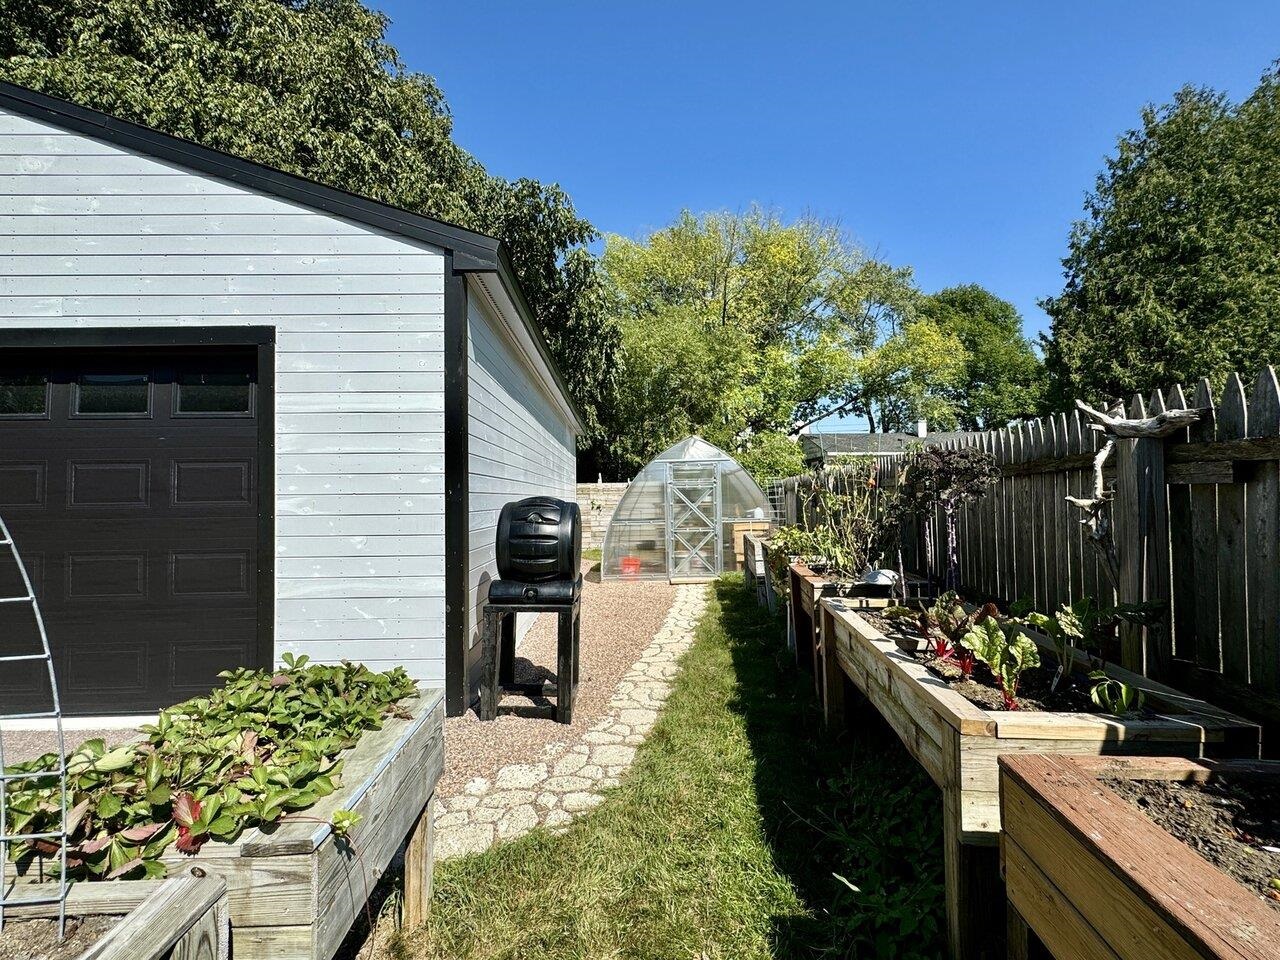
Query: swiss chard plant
254	751
1085	625
1007	650
945	625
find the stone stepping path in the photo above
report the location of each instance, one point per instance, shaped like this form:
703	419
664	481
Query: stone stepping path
572	778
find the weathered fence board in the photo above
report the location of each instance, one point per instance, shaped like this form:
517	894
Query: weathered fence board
1196	520
1262	543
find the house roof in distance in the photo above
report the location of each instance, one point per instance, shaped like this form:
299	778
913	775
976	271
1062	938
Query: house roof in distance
472	252
820	447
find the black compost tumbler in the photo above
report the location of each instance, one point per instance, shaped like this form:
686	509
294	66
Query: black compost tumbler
539	553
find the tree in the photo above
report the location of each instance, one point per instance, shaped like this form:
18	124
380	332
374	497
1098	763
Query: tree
1001	377
313	88
741	327
1171	275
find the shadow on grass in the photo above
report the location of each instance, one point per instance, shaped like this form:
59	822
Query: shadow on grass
839	812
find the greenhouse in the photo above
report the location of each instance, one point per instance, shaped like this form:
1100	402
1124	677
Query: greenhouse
684	515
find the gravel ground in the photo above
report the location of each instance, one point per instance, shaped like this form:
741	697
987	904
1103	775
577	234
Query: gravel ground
20	745
38	939
619	618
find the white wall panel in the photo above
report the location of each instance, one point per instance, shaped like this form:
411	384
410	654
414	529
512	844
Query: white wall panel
93	235
519	445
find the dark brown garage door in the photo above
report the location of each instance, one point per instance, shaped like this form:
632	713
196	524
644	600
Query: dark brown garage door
129	480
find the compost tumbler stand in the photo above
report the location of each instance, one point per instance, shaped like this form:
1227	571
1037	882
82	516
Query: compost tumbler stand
60	835
499	639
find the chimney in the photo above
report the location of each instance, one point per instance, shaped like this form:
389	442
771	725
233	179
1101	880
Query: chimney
922	428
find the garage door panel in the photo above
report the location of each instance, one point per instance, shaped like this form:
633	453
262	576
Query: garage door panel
23	484
106	576
98	675
110	483
194	663
210	573
140	531
212	481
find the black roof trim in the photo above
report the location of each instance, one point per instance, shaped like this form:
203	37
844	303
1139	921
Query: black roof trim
526	314
473	252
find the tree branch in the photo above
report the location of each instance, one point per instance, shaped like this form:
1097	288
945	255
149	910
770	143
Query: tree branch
1097	516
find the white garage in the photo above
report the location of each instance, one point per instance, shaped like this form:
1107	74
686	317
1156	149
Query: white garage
242	413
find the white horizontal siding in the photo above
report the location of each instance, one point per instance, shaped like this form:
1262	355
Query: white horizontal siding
518	444
93	235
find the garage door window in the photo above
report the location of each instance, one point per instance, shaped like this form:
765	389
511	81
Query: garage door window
113	395
24	395
225	393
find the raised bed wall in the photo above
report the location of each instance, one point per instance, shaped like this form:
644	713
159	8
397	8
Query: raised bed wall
1196	519
1090	877
958	744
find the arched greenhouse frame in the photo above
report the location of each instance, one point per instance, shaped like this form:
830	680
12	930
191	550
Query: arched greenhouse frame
683	516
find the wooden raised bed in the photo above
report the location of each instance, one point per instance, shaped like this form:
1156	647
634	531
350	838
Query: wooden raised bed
1090	877
295	888
755	567
958	744
185	919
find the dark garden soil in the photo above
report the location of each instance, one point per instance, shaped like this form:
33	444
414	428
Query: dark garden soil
981	688
1234	824
38	939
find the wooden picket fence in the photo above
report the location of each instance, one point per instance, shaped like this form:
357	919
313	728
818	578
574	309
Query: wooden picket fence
1196	520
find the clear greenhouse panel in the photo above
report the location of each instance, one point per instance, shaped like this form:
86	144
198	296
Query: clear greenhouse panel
684	515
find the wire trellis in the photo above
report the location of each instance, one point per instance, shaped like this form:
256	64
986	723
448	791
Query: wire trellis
7	897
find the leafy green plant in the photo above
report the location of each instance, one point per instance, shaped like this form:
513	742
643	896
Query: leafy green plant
850	517
1003	647
1086	625
946	623
1065	629
1114	696
258	748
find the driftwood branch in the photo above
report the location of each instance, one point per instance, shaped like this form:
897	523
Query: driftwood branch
1113	423
1097	516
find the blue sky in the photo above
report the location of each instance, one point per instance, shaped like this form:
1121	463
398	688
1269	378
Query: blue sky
958	138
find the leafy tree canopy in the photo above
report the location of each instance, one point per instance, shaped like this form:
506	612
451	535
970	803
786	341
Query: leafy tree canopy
744	328
1000	377
312	87
738	327
1171	275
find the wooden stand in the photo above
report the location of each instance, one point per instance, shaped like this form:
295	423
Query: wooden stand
499	639
958	744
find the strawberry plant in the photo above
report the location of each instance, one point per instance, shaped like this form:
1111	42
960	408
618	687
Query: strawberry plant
263	745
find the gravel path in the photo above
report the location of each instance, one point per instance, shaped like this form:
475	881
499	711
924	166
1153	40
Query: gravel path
20	745
619	619
569	775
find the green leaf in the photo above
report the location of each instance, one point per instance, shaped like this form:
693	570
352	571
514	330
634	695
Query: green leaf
108	806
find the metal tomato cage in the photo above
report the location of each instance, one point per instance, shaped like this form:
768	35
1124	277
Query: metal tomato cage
42	657
683	516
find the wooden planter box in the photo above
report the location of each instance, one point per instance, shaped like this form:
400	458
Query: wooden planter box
1092	877
185	919
755	569
958	744
295	888
805	588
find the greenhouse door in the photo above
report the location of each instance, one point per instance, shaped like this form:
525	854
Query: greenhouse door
693	519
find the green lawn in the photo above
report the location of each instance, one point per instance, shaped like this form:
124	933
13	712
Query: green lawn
729	838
